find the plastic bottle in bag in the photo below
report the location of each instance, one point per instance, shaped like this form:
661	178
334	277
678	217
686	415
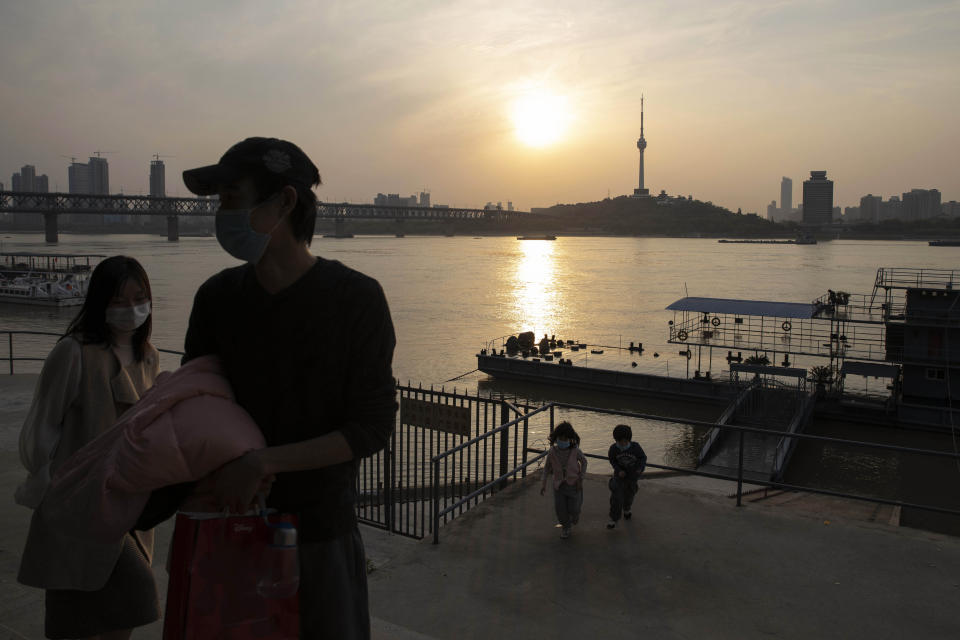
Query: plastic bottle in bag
280	573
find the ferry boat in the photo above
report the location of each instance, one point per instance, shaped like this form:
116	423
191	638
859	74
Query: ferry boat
45	279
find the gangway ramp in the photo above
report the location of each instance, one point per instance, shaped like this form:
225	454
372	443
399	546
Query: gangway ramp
767	403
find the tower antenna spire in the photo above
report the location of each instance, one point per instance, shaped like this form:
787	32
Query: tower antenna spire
641	191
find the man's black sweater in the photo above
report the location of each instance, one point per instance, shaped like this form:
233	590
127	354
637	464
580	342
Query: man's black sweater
311	359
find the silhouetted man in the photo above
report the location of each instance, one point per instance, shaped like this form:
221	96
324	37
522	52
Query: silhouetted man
307	344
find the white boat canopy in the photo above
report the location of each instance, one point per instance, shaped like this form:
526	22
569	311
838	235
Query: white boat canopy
730	306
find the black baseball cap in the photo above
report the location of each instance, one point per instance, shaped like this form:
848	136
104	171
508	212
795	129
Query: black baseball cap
254	155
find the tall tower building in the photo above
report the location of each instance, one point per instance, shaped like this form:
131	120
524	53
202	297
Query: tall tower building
99	176
786	194
870	208
41	184
918	204
28	176
78	177
641	192
158	187
817	199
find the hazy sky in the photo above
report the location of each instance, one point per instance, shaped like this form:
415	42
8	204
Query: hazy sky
398	96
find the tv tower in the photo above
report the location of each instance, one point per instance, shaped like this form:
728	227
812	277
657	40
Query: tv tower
641	192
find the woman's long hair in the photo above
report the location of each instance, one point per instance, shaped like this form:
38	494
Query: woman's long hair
106	281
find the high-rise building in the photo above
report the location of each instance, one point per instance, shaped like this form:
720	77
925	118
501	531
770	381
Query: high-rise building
158	187
786	194
870	208
78	178
921	204
950	209
891	209
99	176
394	200
641	191
817	199
28	175
26	180
772	211
424	199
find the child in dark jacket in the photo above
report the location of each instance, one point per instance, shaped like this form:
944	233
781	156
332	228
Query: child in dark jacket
628	461
566	466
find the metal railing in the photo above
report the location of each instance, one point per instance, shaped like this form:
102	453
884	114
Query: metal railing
906	278
426	477
398	486
449	510
12	358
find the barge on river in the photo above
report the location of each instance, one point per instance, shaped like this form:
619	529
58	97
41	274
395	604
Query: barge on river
905	334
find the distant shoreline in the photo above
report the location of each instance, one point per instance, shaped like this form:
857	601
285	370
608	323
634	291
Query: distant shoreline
487	234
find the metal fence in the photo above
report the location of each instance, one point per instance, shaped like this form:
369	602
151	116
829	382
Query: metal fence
452	450
431	460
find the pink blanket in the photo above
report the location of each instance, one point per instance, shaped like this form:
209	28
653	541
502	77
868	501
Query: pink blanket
186	426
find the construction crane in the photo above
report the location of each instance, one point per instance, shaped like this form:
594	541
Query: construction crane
157	156
73	159
98	153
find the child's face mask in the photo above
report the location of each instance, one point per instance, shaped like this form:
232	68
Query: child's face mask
563	444
623	447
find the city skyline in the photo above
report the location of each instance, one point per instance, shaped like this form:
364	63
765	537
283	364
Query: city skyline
426	95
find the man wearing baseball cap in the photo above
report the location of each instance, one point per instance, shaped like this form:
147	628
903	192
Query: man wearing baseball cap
307	344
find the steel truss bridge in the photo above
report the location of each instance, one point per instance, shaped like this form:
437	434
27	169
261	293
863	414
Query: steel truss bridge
131	205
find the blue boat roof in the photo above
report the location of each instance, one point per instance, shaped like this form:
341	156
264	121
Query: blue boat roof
745	307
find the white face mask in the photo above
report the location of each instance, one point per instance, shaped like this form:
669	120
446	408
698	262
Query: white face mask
127	318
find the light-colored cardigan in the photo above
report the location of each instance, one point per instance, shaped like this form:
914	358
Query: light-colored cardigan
572	473
81	392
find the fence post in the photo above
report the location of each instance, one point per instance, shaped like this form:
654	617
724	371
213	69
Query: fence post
504	445
551	419
740	471
523	474
435	490
10	349
388	481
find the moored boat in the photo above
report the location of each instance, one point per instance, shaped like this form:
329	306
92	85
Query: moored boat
45	279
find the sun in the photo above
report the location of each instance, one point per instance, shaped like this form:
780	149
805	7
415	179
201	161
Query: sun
540	118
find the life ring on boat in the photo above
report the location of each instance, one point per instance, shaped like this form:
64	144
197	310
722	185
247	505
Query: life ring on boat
715	322
786	326
682	335
68	287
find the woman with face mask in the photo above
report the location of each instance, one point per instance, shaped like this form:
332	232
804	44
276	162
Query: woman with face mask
567	466
98	369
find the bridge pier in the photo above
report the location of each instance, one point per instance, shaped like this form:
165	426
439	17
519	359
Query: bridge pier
339	229
50	228
399	227
173	228
448	227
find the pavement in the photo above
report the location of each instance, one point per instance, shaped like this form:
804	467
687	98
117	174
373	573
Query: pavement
689	564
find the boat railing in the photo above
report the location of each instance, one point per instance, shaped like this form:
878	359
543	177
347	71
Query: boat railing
914	278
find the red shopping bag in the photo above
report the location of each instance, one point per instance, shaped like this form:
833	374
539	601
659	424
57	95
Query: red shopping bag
215	563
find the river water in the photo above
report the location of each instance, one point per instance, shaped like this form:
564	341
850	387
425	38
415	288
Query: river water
450	296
